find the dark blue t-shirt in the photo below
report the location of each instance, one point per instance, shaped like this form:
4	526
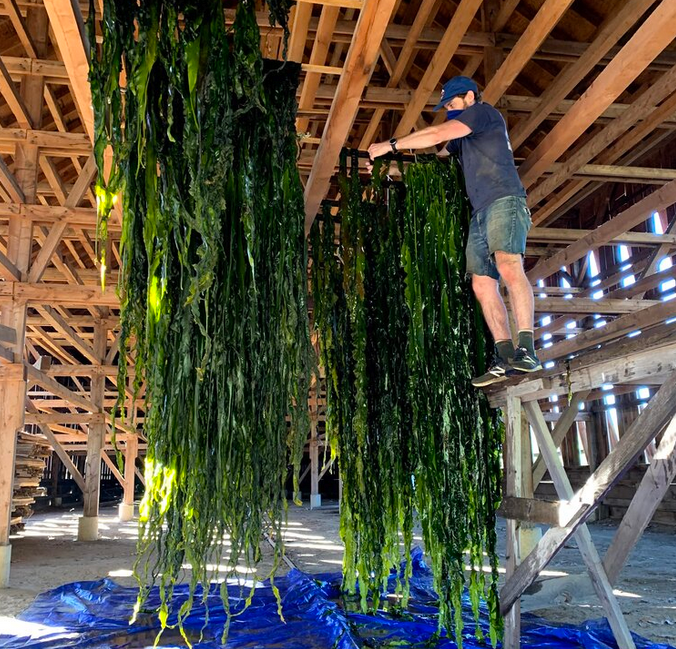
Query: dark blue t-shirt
486	157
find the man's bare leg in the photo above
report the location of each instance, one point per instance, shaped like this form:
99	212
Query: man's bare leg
511	270
510	267
487	292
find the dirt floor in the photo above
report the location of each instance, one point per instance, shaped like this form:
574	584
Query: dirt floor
46	555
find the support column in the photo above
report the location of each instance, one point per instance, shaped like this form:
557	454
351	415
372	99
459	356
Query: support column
529	533
19	248
88	525
126	509
315	496
513	456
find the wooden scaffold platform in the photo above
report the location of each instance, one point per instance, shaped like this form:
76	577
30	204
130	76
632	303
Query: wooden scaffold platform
637	361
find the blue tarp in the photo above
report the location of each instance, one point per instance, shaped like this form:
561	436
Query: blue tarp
95	614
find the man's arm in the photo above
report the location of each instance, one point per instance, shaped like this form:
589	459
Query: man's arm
425	138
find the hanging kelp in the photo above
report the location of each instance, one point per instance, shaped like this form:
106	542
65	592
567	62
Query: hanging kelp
213	277
400	339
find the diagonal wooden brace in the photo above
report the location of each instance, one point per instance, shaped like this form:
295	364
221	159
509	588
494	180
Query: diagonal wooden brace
590	555
659	411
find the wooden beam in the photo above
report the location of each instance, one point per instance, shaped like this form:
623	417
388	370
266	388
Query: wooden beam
113	469
8	270
629	218
361	58
462	18
639	110
659	411
583	538
530	510
77	399
73	338
654	485
569	235
58	448
579	305
10	184
11	95
653	35
48	249
513	489
538	29
67	26
559	433
58	294
609	32
620	327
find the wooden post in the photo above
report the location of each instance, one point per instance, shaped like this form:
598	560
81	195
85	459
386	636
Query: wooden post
19	248
88	525
529	533
583	537
315	496
126	510
513	487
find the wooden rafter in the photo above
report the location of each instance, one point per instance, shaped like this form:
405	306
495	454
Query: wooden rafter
361	58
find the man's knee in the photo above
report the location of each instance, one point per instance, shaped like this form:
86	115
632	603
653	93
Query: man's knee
509	265
483	285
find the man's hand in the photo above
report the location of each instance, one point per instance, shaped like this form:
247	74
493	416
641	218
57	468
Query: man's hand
375	151
379	148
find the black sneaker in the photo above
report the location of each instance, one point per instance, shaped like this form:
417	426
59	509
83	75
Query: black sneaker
496	372
524	361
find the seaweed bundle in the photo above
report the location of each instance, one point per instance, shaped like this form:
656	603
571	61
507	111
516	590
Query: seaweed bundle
400	339
213	277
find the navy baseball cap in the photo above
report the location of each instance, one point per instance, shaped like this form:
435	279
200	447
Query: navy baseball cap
456	86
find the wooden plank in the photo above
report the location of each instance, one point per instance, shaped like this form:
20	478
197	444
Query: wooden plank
97	431
615	329
654	34
590	555
67	27
8	270
11	95
659	411
130	455
11	419
403	61
632	216
113	468
10	184
37	376
359	64
60	324
14	13
559	433
462	18
654	485
48	249
58	294
609	32
299	30
513	489
538	29
531	510
639	110
589	305
320	50
570	235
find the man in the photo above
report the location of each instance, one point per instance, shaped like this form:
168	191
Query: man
476	132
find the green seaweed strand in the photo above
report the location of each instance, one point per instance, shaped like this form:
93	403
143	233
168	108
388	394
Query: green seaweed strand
212	282
400	339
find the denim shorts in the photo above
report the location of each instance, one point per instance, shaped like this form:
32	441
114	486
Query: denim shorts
503	225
